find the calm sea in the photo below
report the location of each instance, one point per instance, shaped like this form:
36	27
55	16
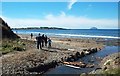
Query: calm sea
97	33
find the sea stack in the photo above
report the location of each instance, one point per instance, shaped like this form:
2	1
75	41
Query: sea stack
94	28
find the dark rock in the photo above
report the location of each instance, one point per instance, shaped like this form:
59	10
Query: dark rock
77	54
6	30
104	68
98	68
82	54
18	49
68	59
117	57
69	40
84	49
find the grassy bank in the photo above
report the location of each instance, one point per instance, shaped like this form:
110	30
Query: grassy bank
112	71
12	45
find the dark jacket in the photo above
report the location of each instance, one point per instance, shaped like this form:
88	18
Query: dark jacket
39	38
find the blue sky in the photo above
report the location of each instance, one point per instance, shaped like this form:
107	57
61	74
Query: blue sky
80	15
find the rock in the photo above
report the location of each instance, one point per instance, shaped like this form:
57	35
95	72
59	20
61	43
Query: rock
104	68
62	59
77	54
91	61
87	52
107	62
89	65
117	62
83	74
83	65
69	40
93	50
70	49
84	49
98	68
18	48
68	59
82	54
117	57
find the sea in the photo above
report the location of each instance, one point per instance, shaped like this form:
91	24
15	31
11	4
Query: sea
76	33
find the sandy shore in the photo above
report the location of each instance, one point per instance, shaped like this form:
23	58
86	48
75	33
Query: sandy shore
72	43
18	62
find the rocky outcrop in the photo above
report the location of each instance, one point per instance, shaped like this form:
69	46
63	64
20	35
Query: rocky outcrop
109	65
78	55
71	60
6	31
43	67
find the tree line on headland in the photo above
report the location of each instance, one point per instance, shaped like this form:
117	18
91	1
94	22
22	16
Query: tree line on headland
40	28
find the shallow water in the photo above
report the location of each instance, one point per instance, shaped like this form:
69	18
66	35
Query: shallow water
96	57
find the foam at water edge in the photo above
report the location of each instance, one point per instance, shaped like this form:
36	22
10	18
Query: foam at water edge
70	35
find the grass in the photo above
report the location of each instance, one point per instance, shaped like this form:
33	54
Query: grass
115	71
12	45
111	72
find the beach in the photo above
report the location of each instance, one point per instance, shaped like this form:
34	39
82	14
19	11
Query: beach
81	37
20	61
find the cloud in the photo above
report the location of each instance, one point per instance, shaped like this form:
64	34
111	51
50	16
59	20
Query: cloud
63	21
62	13
71	4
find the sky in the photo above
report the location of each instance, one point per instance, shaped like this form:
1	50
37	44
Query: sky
71	15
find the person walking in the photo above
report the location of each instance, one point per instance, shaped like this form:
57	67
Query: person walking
31	35
39	41
45	40
49	43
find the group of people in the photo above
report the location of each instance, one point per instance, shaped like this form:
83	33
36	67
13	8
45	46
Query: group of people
42	40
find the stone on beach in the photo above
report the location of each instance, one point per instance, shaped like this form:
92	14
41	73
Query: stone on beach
89	65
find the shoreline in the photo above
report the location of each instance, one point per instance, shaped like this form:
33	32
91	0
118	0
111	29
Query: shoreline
70	34
86	42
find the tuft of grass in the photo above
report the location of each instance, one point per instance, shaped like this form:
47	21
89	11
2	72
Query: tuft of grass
115	71
12	45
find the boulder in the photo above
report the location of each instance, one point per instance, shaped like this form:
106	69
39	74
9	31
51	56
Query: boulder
82	54
93	50
77	54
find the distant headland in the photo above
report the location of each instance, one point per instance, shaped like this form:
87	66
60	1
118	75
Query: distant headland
40	28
